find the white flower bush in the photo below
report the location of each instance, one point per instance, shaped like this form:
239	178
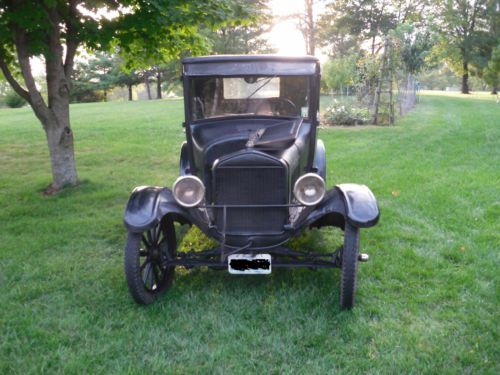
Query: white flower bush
339	114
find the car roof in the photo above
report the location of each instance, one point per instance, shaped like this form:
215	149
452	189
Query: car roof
236	65
238	58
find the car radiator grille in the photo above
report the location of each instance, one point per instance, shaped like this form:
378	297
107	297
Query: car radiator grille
250	185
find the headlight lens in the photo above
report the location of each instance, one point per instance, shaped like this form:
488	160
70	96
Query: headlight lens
309	189
188	191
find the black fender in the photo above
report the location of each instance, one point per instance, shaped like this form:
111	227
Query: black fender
353	203
148	204
184	165
319	163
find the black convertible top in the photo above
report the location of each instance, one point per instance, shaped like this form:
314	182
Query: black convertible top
237	65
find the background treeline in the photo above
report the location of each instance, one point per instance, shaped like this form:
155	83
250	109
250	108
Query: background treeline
442	45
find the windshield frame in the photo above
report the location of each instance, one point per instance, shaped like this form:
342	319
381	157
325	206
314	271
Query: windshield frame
311	98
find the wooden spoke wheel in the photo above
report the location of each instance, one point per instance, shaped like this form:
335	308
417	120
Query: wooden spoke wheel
147	257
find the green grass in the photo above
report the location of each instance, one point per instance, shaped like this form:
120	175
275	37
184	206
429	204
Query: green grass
428	301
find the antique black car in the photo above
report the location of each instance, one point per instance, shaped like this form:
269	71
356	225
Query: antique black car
252	176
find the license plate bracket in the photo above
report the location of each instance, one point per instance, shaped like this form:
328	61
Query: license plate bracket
249	264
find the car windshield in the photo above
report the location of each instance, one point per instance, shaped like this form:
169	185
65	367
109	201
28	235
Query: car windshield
249	95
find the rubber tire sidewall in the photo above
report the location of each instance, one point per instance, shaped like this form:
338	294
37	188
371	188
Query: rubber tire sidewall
350	253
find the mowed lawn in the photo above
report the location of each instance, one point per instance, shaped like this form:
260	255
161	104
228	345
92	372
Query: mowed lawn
427	302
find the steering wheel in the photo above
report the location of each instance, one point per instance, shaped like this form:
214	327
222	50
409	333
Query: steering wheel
281	106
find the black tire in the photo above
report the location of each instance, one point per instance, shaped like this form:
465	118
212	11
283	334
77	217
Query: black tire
349	260
147	255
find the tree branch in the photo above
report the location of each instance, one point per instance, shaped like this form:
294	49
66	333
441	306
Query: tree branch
36	100
473	17
71	40
12	81
71	47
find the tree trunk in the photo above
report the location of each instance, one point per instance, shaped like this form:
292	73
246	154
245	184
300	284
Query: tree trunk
494	90
129	92
60	141
311	31
465	78
158	85
57	124
148	88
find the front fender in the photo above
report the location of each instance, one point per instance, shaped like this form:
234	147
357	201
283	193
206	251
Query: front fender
360	205
353	203
148	204
319	163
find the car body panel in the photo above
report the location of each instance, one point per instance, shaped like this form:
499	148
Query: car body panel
249	142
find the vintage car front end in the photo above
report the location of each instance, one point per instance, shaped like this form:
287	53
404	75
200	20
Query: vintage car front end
252	176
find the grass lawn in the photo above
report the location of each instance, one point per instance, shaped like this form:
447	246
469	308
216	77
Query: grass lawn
428	301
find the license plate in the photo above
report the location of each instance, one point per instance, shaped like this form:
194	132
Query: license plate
249	264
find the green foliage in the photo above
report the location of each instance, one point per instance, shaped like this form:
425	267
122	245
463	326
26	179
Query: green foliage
492	71
145	33
145	40
368	73
411	46
127	78
340	72
346	24
13	100
93	78
339	113
195	240
169	74
245	38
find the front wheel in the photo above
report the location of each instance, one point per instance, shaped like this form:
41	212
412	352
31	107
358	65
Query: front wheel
349	261
147	257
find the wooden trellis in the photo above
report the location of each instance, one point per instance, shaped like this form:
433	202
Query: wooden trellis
383	103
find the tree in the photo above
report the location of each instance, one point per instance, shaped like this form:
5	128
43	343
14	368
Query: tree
146	76
247	38
93	77
167	76
308	27
360	19
346	24
412	47
141	30
119	75
83	89
492	72
340	72
336	36
463	30
128	79
102	73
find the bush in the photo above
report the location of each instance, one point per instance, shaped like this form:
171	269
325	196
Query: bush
340	114
13	100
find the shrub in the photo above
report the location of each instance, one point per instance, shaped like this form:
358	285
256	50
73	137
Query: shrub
195	240
340	114
13	100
